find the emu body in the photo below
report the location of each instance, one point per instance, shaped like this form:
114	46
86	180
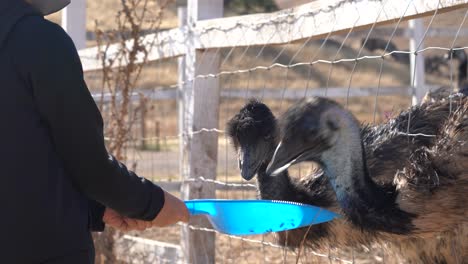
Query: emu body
255	130
390	186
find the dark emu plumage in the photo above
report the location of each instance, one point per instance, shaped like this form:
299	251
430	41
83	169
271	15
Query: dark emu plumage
400	182
254	134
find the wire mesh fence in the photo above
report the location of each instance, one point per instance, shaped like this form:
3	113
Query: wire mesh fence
370	69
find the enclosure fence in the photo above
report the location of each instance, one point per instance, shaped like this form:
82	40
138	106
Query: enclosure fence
221	60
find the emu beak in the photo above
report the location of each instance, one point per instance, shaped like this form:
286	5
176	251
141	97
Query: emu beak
247	166
282	160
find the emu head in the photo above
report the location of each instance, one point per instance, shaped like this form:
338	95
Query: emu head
253	132
315	129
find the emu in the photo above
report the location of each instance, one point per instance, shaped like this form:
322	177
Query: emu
418	202
254	133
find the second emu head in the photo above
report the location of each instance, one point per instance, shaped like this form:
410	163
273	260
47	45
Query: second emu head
254	134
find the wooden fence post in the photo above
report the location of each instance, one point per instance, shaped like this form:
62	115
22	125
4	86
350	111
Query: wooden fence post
74	22
418	74
199	109
182	16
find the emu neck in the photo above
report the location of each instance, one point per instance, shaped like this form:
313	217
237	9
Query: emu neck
273	187
345	165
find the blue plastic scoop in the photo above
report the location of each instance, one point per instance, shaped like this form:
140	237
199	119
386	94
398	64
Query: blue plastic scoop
253	217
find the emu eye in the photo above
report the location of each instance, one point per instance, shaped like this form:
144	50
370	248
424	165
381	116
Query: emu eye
331	125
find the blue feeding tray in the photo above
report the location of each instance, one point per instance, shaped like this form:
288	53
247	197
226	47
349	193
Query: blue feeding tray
253	217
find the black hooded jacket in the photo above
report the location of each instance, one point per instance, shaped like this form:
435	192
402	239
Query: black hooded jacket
53	162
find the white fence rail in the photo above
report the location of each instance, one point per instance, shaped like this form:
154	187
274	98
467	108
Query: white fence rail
314	20
243	93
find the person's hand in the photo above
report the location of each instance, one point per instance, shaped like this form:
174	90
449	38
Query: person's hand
120	222
173	211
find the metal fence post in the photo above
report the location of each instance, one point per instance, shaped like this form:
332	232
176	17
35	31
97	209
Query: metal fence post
417	61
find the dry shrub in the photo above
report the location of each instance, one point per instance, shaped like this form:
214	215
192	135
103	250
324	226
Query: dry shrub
123	53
